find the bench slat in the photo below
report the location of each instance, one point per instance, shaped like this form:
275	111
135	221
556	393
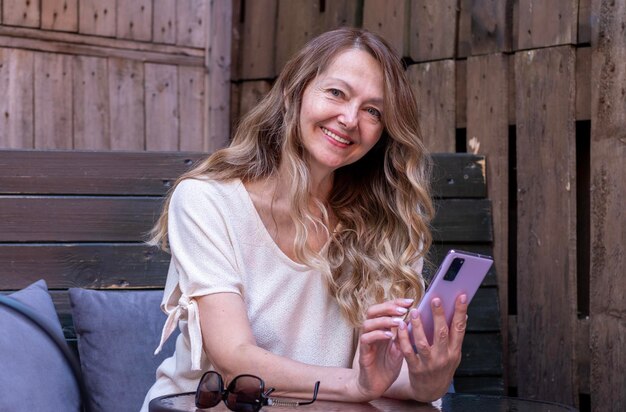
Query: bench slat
97	265
77	219
97	173
128	219
153	173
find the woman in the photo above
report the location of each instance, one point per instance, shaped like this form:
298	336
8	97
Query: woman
297	251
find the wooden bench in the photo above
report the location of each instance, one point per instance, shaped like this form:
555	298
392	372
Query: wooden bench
79	219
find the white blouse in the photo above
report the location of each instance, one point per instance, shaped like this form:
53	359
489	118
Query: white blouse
219	244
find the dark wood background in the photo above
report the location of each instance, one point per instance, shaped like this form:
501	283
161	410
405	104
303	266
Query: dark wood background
536	86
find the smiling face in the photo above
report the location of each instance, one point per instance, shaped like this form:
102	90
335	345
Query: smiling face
341	111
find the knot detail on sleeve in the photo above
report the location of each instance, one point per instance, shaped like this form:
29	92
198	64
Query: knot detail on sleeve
187	309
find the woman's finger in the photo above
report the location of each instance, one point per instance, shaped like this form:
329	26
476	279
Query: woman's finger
459	323
385	322
420	342
440	329
372	337
395	307
406	347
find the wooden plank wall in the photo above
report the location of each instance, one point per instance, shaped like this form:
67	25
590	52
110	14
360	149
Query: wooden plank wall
115	74
510	79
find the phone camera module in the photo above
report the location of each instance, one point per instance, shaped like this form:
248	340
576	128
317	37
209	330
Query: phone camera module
454	268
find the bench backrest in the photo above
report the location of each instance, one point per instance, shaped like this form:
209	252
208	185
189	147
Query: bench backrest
80	219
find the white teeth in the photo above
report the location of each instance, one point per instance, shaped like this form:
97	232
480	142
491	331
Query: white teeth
335	137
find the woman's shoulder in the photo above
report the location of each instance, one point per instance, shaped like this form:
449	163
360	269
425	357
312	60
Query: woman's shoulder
204	191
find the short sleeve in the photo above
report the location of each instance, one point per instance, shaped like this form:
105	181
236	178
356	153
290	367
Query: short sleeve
204	259
201	241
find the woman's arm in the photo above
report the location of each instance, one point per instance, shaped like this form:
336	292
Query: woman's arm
230	345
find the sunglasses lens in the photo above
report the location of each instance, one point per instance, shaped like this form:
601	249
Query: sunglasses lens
244	394
209	391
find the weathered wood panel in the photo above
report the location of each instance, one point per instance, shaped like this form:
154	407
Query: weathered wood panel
162	114
298	22
59	15
481	355
546	224
81	44
126	99
426	41
251	93
490	26
217	89
25	13
389	19
487	132
191	103
97	17
53	101
608	230
16	110
459	175
584	21
191	22
434	85
583	83
460	74
462	220
339	13
93	265
164	21
77	219
91	103
134	20
257	40
546	23
92	173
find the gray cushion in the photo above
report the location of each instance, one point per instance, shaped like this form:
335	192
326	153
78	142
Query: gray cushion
34	375
118	332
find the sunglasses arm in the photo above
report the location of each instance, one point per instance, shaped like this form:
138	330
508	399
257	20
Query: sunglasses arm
284	402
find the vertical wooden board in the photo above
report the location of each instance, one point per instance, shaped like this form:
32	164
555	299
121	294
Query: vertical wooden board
53	101
583	83
490	26
584	21
97	17
546	23
461	93
339	13
298	22
161	107
608	197
487	132
164	21
134	20
389	19
190	22
191	102
59	15
251	94
91	103
464	35
16	108
432	29
257	41
126	104
217	94
24	13
546	224
434	87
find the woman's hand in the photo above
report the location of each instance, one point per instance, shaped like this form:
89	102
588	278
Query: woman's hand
379	356
432	368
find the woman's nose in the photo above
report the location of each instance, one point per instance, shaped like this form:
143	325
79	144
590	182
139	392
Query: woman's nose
349	116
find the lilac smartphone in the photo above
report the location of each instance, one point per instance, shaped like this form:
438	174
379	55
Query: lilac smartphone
460	272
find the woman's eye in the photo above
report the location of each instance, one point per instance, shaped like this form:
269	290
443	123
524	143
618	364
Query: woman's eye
335	92
374	112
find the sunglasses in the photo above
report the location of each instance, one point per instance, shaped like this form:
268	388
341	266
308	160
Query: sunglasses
246	393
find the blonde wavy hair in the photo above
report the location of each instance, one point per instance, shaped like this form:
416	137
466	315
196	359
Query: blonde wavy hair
381	203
